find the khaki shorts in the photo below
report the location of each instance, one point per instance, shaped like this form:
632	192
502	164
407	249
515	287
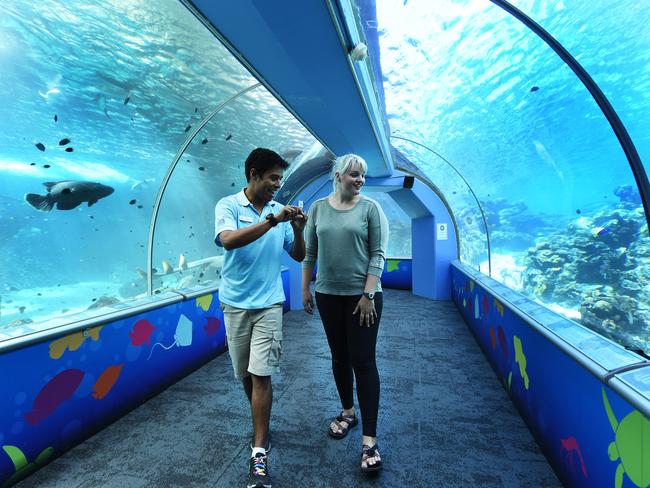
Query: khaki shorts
254	339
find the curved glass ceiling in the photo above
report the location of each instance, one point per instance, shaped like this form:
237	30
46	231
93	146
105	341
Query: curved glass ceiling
475	85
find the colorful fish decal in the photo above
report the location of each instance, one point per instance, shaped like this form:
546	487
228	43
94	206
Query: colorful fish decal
520	359
502	342
106	381
493	338
54	393
486	305
571	447
499	306
212	326
182	336
392	265
73	341
477	311
204	302
141	332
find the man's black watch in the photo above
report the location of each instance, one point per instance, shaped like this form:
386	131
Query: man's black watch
271	218
369	295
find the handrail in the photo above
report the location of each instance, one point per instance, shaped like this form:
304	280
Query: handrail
170	170
478	203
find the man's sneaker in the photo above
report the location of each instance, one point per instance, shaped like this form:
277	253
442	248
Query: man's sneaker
258	474
267	447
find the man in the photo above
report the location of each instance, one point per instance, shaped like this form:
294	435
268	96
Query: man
254	229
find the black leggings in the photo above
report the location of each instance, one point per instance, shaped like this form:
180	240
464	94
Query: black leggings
353	349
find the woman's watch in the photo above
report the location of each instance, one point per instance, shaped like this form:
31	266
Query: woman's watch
369	295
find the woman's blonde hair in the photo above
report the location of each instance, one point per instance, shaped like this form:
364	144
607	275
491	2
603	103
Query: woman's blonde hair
343	164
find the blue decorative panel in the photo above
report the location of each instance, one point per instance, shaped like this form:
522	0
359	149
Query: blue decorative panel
397	274
590	434
56	393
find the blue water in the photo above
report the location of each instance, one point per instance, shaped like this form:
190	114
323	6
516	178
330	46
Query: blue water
473	84
127	83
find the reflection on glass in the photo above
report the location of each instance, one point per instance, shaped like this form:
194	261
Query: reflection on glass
472	237
399	223
211	168
565	219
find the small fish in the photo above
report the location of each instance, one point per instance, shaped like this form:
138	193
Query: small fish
201	168
141	333
196	109
40	146
52	91
63	142
139	185
56	118
46	166
228	137
126	100
132	202
232	184
204	141
21	309
68	149
140	206
534	88
54	393
68	194
578	211
188	128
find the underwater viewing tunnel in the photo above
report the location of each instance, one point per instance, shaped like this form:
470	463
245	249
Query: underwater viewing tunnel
505	143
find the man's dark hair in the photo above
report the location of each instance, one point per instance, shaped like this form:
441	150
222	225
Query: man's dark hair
263	160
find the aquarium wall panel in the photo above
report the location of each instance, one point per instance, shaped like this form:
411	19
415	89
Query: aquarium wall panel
99	99
564	215
592	434
65	389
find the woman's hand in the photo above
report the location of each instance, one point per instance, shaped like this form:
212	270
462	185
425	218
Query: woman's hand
307	301
367	312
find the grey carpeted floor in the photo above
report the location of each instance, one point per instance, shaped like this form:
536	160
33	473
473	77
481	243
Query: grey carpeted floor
444	421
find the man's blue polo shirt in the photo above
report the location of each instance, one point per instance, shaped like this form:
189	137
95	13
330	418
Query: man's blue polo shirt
250	277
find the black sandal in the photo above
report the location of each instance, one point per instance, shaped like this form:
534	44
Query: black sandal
351	420
370	452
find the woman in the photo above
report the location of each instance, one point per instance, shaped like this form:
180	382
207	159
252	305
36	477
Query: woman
347	234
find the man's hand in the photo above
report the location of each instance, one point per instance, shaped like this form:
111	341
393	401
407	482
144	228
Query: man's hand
287	213
299	221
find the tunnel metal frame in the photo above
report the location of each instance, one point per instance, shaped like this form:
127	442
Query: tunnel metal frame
170	171
478	203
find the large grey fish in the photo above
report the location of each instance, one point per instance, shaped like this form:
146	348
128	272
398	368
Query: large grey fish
68	195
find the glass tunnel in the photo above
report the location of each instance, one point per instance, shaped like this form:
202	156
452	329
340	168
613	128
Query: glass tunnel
505	143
